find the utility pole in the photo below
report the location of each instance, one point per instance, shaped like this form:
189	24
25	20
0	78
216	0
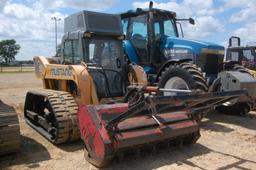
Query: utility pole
55	19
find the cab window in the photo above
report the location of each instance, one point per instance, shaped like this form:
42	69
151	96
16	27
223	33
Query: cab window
125	25
72	52
139	29
157	28
169	29
104	52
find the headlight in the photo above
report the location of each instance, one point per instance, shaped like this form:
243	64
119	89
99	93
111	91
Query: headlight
177	53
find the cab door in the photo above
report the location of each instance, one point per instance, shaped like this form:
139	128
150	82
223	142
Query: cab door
137	34
109	74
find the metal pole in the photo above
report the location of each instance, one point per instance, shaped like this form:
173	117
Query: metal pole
56	33
56	43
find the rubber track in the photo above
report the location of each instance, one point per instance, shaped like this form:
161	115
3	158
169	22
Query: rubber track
64	106
9	130
64	109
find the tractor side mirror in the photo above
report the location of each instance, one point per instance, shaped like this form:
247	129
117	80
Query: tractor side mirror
191	21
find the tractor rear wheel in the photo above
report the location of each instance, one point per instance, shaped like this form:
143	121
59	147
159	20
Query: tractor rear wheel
184	76
240	109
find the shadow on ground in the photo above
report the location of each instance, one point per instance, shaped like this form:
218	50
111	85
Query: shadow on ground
30	154
214	118
72	147
179	155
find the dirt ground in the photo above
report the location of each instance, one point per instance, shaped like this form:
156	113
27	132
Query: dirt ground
227	142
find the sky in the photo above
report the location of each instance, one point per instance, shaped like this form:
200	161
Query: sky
29	21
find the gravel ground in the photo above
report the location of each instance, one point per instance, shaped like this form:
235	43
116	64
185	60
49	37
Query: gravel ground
227	142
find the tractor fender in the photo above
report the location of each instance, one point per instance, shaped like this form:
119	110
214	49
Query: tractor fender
168	63
215	86
137	75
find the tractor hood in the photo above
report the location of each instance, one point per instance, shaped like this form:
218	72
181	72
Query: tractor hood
194	46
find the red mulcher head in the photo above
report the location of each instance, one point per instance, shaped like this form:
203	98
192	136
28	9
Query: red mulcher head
109	129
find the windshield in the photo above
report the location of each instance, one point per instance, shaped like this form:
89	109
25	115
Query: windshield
165	26
104	52
240	55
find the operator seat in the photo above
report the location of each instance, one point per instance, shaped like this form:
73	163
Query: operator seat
140	44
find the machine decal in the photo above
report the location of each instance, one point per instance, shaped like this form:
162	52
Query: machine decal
61	72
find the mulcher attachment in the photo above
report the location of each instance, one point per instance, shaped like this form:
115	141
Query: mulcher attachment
9	130
53	114
108	130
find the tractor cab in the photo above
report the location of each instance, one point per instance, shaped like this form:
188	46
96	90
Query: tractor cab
144	30
154	41
96	39
244	55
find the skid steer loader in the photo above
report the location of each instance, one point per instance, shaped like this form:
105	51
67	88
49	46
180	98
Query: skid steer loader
106	101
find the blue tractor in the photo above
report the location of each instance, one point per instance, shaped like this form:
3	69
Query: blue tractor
152	40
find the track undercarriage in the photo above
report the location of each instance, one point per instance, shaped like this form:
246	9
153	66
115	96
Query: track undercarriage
9	130
52	114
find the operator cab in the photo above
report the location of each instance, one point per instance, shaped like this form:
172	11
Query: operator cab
244	55
96	39
143	27
146	32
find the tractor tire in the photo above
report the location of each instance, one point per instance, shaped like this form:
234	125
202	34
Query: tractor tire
240	109
241	69
184	76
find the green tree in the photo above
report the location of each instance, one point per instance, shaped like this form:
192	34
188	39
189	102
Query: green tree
8	50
